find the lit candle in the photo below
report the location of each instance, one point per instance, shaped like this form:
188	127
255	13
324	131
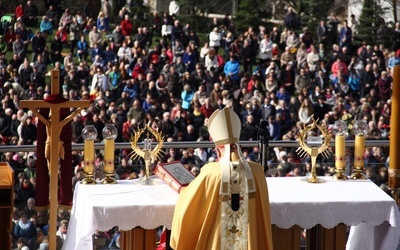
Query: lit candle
109	132
339	151
89	156
109	156
89	134
360	129
394	163
359	151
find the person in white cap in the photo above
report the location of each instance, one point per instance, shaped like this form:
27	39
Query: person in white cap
227	205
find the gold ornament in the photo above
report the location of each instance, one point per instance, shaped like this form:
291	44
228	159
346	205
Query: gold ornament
314	151
147	153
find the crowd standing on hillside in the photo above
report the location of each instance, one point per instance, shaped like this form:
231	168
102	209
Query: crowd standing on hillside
164	76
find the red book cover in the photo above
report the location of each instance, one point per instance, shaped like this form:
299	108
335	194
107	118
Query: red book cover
174	174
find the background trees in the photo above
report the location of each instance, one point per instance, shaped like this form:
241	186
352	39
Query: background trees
371	23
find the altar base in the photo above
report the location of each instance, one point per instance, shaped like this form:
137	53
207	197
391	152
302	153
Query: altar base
138	239
318	237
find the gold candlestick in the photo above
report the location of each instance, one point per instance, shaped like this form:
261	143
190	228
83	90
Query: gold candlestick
147	153
360	130
394	163
89	134
312	149
340	131
109	132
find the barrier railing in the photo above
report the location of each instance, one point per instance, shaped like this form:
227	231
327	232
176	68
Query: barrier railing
194	144
191	144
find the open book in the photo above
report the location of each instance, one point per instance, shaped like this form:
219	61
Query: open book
174	174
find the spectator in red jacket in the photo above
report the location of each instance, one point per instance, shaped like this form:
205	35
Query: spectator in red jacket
337	66
206	109
127	128
126	26
138	68
19	11
63	35
10	37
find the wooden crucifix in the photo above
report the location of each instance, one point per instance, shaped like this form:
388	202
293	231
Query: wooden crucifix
53	127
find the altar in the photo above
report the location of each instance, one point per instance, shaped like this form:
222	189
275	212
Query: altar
371	213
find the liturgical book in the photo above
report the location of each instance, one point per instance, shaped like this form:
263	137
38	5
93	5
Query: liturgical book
174	174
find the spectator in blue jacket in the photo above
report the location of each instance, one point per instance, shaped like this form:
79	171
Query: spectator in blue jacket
189	59
187	97
27	230
232	68
46	27
132	89
354	84
82	48
96	50
109	55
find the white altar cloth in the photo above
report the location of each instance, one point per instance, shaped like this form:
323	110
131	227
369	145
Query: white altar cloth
373	215
127	204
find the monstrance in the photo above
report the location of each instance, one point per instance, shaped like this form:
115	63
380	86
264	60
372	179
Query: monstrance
313	146
147	153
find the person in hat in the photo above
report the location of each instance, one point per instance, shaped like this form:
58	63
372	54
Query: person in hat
227	205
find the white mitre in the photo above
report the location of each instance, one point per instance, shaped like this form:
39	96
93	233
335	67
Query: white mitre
224	127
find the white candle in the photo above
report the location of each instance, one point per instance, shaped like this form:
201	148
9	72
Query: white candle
89	156
109	156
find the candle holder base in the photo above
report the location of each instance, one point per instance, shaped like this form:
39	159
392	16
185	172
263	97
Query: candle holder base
109	180
146	180
88	180
313	179
358	175
339	175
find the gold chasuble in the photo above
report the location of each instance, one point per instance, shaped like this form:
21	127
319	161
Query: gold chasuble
197	216
227	205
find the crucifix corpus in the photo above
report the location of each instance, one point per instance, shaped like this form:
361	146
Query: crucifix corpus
55	102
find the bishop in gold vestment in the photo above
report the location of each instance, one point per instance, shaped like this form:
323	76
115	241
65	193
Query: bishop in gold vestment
227	205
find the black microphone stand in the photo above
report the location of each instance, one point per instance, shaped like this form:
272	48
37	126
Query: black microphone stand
263	136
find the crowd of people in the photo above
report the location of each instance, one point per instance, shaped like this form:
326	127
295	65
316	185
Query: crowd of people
166	77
